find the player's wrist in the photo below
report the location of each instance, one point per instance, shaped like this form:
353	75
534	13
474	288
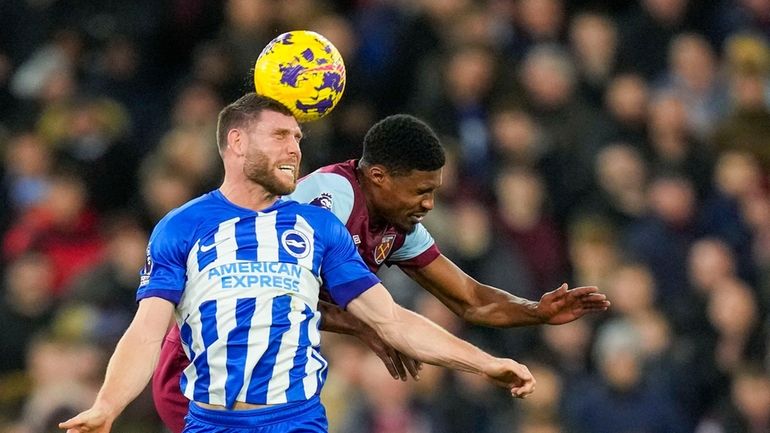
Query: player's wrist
107	408
493	366
536	308
104	411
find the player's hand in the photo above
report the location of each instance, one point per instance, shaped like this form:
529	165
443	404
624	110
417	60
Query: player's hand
93	420
511	375
564	305
396	362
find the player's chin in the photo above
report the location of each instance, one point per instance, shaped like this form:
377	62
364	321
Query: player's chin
284	188
287	182
408	225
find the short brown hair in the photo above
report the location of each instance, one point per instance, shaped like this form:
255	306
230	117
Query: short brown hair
247	108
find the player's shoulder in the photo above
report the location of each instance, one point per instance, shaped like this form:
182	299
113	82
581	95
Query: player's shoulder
312	212
335	178
345	168
189	215
330	187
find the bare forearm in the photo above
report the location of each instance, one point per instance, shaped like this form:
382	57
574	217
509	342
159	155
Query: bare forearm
334	319
497	308
421	339
476	303
128	371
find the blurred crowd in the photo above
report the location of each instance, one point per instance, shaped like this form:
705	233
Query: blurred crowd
623	144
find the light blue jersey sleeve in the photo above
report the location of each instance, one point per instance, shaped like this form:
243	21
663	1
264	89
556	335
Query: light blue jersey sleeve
165	272
330	191
415	244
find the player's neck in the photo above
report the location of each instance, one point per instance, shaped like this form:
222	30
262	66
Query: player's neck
375	221
248	195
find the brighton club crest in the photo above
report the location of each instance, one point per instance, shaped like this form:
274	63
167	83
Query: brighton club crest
382	251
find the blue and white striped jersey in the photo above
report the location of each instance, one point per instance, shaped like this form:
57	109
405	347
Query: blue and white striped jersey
246	286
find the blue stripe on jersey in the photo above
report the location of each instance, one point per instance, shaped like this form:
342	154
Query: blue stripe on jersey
321	373
185	333
237	348
205	258
245	232
208	311
285	221
296	390
318	252
263	371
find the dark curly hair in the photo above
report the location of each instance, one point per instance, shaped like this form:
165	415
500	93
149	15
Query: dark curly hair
402	143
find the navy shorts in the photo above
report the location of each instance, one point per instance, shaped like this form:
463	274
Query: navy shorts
300	417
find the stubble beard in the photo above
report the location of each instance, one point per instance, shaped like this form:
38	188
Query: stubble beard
259	171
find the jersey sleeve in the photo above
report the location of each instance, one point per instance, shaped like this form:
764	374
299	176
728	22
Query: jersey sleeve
418	250
344	273
330	191
165	271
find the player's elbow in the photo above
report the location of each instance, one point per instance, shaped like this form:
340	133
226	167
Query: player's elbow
392	330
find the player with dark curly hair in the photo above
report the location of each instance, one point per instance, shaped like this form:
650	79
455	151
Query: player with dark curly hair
381	199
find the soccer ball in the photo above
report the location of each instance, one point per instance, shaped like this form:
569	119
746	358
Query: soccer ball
303	71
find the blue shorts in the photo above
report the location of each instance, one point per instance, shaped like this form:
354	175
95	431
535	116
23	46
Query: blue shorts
300	417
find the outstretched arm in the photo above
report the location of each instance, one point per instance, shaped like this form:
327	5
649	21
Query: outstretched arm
335	319
129	369
485	305
422	339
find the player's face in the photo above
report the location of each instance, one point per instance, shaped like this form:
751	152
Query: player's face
408	198
272	156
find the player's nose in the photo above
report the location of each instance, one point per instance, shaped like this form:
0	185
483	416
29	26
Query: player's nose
293	147
428	203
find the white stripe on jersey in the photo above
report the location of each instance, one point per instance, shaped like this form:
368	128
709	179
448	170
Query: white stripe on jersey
303	226
267	237
225	241
279	383
218	365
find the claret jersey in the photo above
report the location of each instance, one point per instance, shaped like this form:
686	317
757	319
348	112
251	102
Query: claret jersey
336	188
246	286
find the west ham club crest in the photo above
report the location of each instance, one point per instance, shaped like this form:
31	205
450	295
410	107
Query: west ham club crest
382	251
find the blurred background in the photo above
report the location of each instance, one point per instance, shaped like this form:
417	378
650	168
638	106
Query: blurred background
623	144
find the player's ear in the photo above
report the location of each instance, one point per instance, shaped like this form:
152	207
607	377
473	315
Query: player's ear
378	174
235	142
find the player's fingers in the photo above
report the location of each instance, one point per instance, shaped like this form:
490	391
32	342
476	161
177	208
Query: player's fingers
593	308
398	360
522	391
386	359
562	289
584	291
594	300
71	423
413	366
